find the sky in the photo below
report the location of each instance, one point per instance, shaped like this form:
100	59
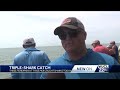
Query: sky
15	26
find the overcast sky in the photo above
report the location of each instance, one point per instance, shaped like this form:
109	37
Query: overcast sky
15	26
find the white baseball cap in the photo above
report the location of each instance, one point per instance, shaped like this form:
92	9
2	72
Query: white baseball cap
28	41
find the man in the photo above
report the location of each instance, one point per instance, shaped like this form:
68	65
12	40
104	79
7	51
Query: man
73	35
97	47
115	49
30	56
111	50
119	53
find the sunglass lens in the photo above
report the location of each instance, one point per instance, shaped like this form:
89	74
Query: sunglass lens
62	36
73	34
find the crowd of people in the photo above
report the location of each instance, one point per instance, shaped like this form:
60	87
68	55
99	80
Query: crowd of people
111	49
72	35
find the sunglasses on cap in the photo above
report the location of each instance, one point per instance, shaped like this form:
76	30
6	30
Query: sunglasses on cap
71	33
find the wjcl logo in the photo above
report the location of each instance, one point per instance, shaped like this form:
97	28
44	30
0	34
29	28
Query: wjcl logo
103	68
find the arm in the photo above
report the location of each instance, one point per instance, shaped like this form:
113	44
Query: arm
114	49
111	52
46	59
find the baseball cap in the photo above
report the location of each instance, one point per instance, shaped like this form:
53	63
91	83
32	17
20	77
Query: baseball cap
28	41
112	42
71	23
96	42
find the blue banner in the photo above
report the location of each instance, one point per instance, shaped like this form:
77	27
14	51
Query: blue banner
114	68
32	68
61	68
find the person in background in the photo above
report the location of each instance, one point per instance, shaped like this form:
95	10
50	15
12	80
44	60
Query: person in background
29	56
119	53
97	47
110	50
73	35
115	49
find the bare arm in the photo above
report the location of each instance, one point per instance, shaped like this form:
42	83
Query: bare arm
114	49
111	52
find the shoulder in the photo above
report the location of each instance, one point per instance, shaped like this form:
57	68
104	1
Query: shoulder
20	54
60	61
42	52
108	59
39	52
114	47
98	48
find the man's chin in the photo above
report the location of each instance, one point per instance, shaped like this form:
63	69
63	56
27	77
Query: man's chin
69	50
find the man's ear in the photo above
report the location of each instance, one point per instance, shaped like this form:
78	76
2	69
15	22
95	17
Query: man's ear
23	46
85	34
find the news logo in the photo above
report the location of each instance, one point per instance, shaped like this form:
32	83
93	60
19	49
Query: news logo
103	68
84	69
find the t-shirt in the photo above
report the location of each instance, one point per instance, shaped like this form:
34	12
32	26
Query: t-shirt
91	58
101	49
30	56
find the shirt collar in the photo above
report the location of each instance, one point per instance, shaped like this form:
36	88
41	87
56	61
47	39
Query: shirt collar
66	56
31	49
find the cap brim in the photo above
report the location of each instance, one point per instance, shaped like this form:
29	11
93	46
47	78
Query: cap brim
93	43
58	29
28	44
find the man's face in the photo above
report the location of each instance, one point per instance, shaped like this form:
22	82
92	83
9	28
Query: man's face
94	45
111	44
72	40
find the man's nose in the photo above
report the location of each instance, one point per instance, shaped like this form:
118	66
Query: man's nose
68	37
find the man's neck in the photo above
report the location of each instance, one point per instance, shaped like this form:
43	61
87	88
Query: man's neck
76	55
